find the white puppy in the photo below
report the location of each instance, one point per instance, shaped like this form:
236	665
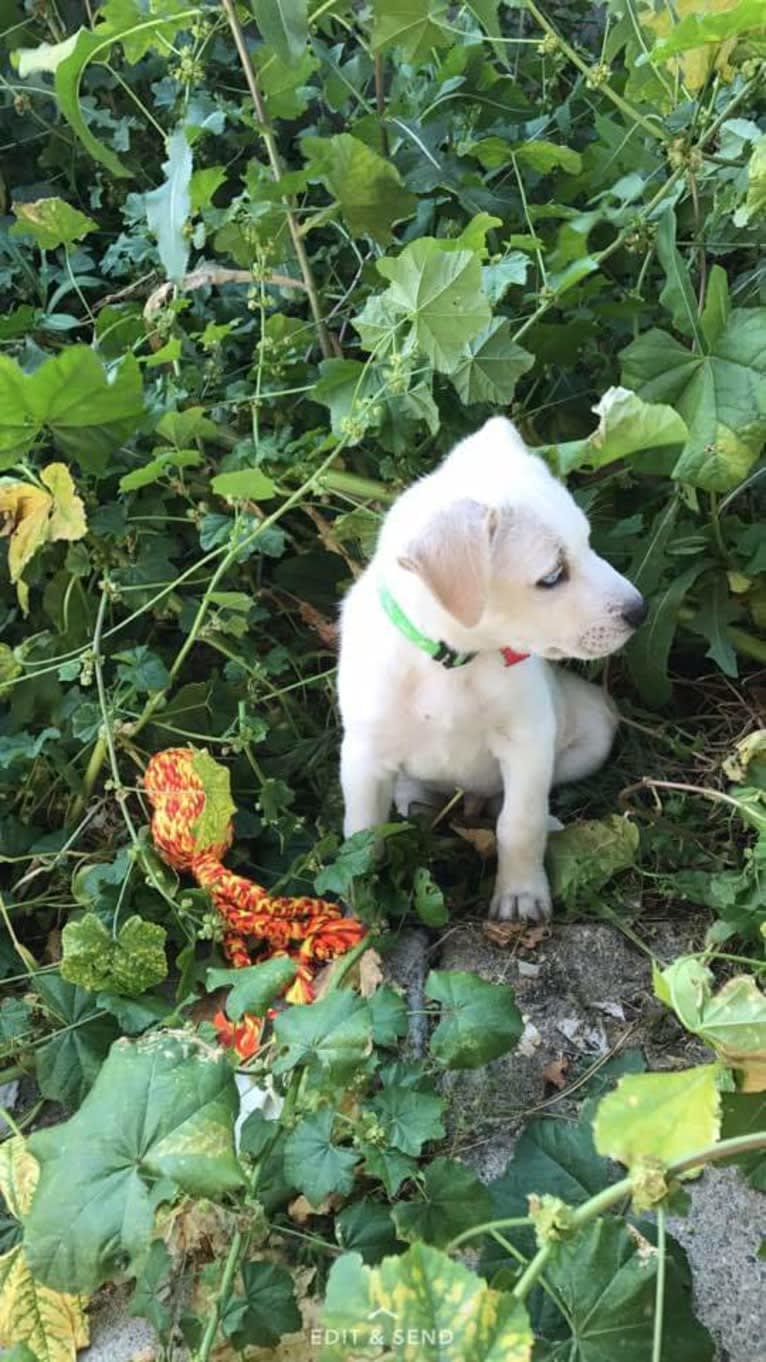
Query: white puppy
487	557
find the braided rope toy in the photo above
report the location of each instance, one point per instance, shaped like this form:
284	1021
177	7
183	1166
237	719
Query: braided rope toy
191	829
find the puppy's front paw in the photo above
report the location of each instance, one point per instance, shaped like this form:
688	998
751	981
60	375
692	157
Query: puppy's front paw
528	901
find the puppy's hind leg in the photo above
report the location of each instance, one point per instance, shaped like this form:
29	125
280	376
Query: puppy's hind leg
587	724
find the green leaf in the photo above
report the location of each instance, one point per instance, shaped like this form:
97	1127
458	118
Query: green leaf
428	899
332	1035
551	1158
455	1200
313	1163
493	367
677	295
543	157
439	293
67	1065
409	1117
368	188
366	1227
649	650
662	1116
168	208
732	1021
627	426
88	410
267	1310
606	1280
715	313
412	26
390	1166
254	987
721	396
212	827
584	856
349	388
51	222
355	857
247	484
159	468
715	612
497	278
161	1108
142	669
129	965
388	1016
703	27
755	202
479	1020
89	45
283	24
420	1295
16	747
745	1114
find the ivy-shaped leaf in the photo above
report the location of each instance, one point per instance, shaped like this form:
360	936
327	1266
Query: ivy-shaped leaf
412	26
479	1020
732	1021
212	827
283	24
51	223
721	395
129	964
421	1295
438	292
254	987
52	1324
314	1163
368	188
452	1200
266	1311
664	1116
162	1107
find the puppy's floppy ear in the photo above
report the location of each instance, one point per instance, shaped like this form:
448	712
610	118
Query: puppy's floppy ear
452	556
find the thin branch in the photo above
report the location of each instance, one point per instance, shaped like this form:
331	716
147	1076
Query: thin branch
329	349
214	276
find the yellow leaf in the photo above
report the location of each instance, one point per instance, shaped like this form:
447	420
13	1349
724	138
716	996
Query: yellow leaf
19	1172
26	509
32	517
51	1323
68	514
697	64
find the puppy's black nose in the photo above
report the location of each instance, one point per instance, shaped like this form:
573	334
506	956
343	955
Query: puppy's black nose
635	613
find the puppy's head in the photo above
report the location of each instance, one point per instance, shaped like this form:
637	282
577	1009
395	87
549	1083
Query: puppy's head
521	572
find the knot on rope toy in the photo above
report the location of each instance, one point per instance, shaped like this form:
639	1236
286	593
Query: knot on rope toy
192	830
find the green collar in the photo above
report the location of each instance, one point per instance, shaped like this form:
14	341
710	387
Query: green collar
439	651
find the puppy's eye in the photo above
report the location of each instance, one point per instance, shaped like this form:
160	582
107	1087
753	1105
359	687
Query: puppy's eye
553	578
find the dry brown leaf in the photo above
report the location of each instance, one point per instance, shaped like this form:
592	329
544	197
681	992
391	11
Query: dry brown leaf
483	840
300	1208
556	1072
370	973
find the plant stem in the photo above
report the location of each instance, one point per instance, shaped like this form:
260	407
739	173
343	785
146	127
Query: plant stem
618	1191
487	1228
267	133
351	484
577	60
211	1328
229	557
659	1291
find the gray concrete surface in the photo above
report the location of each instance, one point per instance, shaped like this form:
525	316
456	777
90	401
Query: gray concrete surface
589	988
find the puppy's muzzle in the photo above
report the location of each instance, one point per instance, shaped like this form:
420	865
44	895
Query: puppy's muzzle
636	612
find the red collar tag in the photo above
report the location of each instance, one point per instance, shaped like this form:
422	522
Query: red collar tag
511	657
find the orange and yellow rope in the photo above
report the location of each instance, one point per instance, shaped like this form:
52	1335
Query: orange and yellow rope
256	925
